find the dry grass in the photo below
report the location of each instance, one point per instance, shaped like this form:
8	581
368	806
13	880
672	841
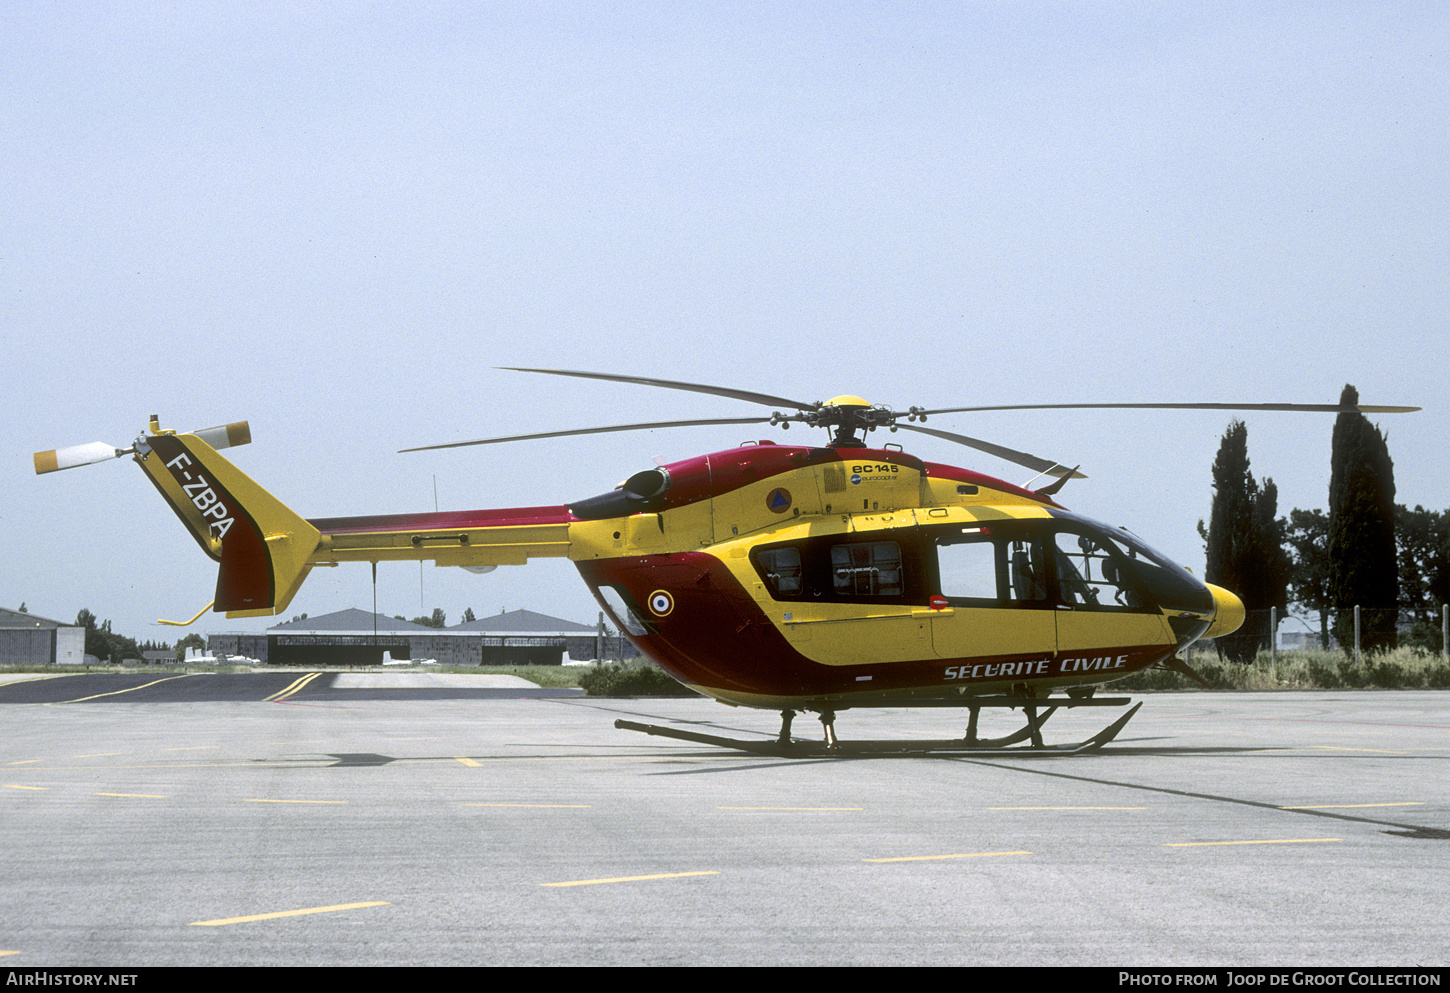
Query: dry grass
1400	669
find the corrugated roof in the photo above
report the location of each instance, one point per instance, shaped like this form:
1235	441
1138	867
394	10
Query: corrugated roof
17	619
351	620
521	622
355	621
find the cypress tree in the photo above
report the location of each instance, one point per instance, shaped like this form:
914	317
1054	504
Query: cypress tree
1362	561
1244	544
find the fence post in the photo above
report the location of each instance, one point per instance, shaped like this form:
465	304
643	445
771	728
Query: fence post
1356	635
1445	632
1274	642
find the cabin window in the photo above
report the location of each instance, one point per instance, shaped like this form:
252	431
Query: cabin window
968	569
834	570
781	568
992	565
866	569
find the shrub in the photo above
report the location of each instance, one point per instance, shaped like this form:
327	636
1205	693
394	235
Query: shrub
613	679
1389	676
1353	676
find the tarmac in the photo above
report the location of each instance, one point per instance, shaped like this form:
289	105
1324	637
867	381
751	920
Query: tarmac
420	819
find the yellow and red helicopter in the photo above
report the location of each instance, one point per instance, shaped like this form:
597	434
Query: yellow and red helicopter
791	578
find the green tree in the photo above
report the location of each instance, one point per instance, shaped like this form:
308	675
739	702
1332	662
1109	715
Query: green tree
437	619
1423	539
104	643
1362	556
1307	534
192	640
1244	544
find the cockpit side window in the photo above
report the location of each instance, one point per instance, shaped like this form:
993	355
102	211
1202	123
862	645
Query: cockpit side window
1090	574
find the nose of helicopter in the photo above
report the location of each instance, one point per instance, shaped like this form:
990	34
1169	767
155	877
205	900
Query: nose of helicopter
1228	612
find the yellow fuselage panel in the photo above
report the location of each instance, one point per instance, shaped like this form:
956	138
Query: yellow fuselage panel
846	634
938	492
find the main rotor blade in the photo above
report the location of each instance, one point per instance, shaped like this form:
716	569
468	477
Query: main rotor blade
1007	454
1321	408
670	384
579	431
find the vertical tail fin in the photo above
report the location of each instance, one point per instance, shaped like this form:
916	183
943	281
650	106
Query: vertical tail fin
265	549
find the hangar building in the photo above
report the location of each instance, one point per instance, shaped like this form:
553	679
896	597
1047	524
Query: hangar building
359	637
26	639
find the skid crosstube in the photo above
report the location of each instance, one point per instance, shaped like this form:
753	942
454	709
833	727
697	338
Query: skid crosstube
835	748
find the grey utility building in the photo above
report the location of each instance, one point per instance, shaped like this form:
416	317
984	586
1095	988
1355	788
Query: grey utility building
359	637
26	639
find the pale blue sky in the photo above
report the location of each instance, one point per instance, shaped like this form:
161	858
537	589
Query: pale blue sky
335	219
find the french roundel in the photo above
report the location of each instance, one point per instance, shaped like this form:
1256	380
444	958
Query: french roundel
661	603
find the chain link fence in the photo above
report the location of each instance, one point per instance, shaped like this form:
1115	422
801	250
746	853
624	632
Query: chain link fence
1357	631
1393	650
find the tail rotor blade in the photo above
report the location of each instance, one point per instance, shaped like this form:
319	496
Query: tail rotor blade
222	436
226	435
68	458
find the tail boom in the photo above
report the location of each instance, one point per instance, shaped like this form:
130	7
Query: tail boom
467	538
265	550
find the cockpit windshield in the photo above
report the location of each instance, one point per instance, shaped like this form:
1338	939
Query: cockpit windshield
1169	583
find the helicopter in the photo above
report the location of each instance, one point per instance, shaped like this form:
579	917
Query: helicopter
800	579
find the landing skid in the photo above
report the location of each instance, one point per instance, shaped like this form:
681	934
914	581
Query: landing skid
832	747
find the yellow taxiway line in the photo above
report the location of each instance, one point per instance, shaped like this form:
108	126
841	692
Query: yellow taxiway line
631	879
288	913
36	679
295	687
145	796
133	689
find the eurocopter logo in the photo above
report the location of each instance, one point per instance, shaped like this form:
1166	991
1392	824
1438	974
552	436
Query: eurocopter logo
856	479
778	500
